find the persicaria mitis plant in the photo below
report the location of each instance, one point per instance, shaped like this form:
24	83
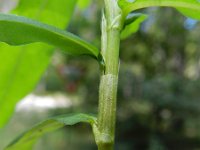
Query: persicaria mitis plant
32	25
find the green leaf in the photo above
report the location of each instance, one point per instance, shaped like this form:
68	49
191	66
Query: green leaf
190	8
30	137
17	30
132	24
20	70
23	66
190	13
54	12
83	4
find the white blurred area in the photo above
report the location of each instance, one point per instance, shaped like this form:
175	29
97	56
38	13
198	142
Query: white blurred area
43	103
7	5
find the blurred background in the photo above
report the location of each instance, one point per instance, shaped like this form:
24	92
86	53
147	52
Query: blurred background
158	93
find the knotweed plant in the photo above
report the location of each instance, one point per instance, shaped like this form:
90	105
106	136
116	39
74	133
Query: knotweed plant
39	21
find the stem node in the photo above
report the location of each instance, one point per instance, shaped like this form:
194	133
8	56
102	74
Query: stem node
111	27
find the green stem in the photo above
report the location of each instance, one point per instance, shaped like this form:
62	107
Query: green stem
111	26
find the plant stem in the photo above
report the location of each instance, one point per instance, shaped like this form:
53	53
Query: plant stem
111	26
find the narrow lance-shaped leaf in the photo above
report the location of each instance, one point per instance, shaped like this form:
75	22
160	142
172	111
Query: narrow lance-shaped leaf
132	24
30	137
190	8
16	30
23	66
